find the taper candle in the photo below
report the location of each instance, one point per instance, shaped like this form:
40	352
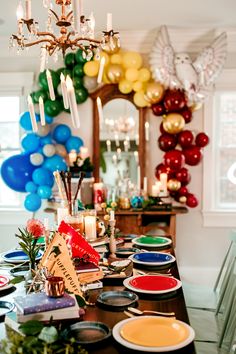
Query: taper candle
64	91
50	85
72	102
101	69
109	22
32	114
41	111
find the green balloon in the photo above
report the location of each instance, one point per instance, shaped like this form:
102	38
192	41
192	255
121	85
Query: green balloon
36	94
64	71
69	60
79	57
43	83
78	70
77	82
53	108
81	95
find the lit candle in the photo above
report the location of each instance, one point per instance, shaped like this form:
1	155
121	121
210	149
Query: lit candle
64	91
114	159
136	139
147	131
109	22
112	215
163	180
50	85
43	57
136	156
108	142
72	102
28	9
101	69
145	184
126	146
155	190
90	228
118	153
117	140
76	14
83	152
100	112
41	111
128	141
32	114
72	157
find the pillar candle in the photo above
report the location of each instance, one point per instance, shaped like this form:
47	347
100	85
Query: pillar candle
163	180
50	85
32	114
41	111
155	190
90	228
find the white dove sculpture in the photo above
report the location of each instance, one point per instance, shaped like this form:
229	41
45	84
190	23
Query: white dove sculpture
177	70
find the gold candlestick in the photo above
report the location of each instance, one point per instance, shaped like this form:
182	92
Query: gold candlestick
112	243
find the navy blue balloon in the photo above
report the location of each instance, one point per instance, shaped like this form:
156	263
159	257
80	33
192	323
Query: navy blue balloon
54	163
31	187
42	176
32	202
30	142
48	119
44	192
16	171
25	121
46	140
74	143
61	133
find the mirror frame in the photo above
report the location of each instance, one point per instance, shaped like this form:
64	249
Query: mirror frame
108	93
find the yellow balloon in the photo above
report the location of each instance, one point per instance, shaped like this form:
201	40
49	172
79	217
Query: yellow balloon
116	59
137	86
173	123
91	68
144	75
154	92
173	185
196	106
132	60
125	86
131	74
114	73
139	99
104	55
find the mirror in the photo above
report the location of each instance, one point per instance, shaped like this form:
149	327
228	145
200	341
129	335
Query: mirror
119	144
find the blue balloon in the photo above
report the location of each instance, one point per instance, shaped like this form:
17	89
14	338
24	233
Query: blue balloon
31	187
32	202
42	176
16	171
55	163
30	142
74	143
25	121
61	133
46	140
44	192
48	119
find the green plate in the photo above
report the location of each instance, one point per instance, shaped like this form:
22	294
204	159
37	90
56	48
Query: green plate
152	241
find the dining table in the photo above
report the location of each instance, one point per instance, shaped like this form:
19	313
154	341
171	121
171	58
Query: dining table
167	302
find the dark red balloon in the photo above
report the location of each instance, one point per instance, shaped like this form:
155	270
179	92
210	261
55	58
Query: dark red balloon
158	109
167	142
192	155
183	191
162	130
174	159
174	100
187	114
202	140
161	168
191	201
185	138
183	176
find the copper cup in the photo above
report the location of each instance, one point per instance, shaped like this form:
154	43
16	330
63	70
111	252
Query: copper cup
55	286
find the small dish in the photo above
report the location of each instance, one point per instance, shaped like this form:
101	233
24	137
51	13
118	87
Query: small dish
5	307
3	280
126	251
118	300
18	256
152	241
89	332
152	258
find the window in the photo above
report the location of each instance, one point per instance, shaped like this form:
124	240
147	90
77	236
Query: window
219	196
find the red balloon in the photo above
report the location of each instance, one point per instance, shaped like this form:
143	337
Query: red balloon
192	155
183	191
162	130
158	109
191	201
174	100
167	142
161	168
183	176
202	140
185	138
174	159
187	114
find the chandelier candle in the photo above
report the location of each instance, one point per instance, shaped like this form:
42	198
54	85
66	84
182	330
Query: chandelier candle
32	114
72	102
147	131
109	22
108	142
101	69
41	111
50	85
28	9
100	111
64	91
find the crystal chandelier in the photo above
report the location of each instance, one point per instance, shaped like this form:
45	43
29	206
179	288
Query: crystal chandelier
74	30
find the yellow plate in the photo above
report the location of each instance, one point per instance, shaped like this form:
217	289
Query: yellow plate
155	332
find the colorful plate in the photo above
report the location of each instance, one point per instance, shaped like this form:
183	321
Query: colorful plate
3	280
152	241
152	284
89	332
18	256
153	334
152	258
117	299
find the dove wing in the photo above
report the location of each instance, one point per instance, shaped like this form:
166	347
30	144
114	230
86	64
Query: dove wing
211	60
161	60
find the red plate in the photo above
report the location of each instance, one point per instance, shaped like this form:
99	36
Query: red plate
153	283
3	280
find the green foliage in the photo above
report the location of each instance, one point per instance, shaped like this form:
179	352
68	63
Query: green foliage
29	245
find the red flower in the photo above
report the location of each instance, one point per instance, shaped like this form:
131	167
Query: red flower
35	227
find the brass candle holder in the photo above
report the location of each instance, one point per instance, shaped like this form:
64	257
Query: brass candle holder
112	243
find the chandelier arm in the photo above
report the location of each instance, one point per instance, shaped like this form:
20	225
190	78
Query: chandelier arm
37	42
47	34
86	39
69	15
54	13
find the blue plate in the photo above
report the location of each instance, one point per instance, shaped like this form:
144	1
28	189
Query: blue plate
152	258
18	256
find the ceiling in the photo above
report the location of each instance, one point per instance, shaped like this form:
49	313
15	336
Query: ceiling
139	14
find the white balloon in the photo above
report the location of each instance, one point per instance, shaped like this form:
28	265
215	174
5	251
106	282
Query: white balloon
43	130
36	159
90	83
61	150
49	150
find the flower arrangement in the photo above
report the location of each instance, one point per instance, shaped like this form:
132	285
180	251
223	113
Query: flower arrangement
28	239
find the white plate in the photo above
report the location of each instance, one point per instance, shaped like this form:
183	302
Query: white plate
18	256
137	261
125	343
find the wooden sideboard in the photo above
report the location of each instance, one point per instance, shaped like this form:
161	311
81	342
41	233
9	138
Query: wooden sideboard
142	221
